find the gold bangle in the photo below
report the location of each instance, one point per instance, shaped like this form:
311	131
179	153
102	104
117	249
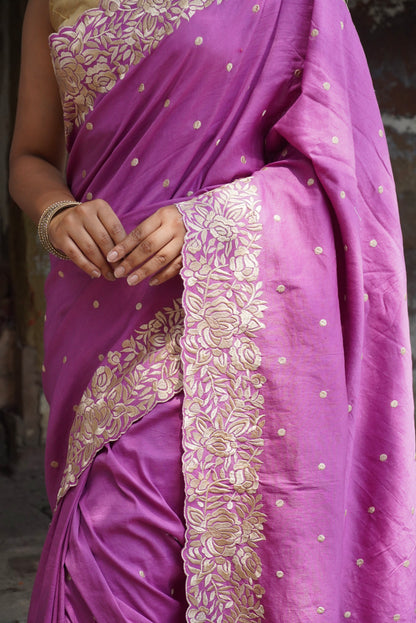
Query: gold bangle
43	226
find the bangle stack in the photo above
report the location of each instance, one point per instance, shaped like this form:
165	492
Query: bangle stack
43	226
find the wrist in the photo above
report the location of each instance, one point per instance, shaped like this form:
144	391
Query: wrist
44	222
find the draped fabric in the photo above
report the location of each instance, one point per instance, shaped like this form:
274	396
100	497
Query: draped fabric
286	335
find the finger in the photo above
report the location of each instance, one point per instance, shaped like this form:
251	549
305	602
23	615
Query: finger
171	270
88	248
159	261
135	238
111	224
149	247
77	257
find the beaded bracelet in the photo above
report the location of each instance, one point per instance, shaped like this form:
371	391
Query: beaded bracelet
43	226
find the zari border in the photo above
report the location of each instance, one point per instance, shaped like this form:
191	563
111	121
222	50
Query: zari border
106	42
223	404
146	371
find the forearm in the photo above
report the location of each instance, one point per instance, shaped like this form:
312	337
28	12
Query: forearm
35	184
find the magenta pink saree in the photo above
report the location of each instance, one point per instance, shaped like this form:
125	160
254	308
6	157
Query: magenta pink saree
254	417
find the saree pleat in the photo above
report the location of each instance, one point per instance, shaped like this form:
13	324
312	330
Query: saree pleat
287	332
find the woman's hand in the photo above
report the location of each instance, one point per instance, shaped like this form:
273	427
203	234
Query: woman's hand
152	247
86	234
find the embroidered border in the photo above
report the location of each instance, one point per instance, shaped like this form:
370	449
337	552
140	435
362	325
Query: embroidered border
106	42
223	416
146	371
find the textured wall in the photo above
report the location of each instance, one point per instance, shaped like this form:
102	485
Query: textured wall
386	29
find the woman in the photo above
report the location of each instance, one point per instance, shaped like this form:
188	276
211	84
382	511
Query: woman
253	415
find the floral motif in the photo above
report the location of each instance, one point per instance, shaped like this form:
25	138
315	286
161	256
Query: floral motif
146	371
223	404
90	57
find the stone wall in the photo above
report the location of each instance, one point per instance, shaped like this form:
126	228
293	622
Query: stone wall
386	30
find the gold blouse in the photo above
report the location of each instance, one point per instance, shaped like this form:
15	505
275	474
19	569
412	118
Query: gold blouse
66	12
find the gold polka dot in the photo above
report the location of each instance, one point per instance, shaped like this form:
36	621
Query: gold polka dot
373	243
394	404
96	304
197	124
141	573
315	32
318	250
383	457
277	217
323	322
243	160
264	112
380	190
311	181
298	73
347	614
320	610
54	464
281	432
218	141
365	297
381	133
281	288
198	41
406	563
279	574
89	196
256	8
166	183
84	173
189	193
326	86
413	508
321	466
342	194
402	350
229	66
342	25
282	360
134	162
279	503
100	357
172	591
349	408
89	125
371	510
61	274
64	359
166	103
345	247
321	538
396	617
43	368
323	394
360	562
141	88
335	140
139	306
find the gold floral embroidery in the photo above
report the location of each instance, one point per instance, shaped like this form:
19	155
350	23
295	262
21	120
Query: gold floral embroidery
146	371
223	405
107	42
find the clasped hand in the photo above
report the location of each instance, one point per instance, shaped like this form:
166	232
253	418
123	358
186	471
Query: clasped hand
92	236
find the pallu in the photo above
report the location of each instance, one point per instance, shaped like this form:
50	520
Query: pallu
236	444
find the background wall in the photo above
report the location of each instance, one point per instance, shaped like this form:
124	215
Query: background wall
386	30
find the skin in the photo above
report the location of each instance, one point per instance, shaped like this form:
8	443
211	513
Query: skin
90	234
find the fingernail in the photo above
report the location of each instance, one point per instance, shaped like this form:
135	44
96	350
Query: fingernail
154	281
132	280
113	255
119	271
95	274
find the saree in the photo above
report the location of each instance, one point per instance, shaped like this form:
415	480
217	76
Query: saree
269	386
